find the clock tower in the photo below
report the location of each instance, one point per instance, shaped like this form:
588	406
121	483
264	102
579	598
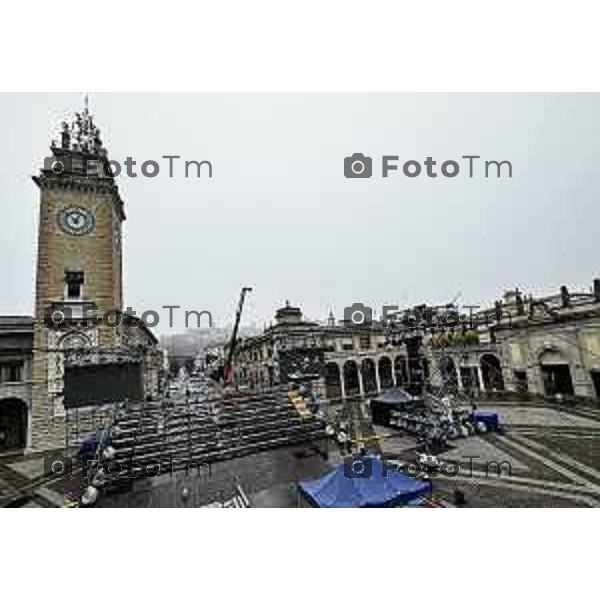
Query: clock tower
79	267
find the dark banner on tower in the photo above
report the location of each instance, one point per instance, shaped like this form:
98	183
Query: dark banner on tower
92	385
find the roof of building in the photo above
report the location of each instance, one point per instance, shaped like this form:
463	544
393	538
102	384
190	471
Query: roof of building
288	310
139	324
16	334
17	321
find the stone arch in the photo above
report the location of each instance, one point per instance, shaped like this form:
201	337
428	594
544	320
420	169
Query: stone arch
385	372
68	345
491	371
333	387
551	355
367	369
74	341
351	378
13	423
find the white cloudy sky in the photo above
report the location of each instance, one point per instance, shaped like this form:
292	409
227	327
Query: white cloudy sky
279	215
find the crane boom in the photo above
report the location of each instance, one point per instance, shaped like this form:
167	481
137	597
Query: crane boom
238	315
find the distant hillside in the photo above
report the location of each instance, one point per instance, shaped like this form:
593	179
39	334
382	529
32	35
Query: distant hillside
195	340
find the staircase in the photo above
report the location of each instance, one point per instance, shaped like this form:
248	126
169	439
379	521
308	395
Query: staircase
193	434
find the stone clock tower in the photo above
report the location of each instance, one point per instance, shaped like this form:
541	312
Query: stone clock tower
79	267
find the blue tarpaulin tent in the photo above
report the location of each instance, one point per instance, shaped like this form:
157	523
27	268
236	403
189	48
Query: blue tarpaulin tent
88	447
489	418
385	489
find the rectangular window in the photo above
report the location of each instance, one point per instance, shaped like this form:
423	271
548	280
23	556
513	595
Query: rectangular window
521	382
74	281
364	341
12	372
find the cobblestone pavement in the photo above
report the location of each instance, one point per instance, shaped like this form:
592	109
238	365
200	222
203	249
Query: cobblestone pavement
553	455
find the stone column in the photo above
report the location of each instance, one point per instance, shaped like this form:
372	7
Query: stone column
28	440
377	377
342	383
394	378
361	385
480	379
458	377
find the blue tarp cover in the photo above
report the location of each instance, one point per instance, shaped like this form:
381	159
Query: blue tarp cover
489	418
88	447
335	490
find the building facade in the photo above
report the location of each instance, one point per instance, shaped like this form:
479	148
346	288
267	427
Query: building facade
345	361
541	346
16	341
545	346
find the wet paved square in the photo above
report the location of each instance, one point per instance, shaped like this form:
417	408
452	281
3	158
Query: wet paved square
554	455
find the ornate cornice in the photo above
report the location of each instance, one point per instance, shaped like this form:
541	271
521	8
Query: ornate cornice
95	185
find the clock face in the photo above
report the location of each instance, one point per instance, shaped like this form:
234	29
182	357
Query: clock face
76	220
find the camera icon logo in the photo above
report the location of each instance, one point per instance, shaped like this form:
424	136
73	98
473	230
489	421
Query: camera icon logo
57	166
57	465
358	166
57	316
358	316
358	467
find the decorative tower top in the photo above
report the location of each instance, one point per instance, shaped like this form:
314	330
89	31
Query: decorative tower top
80	135
79	160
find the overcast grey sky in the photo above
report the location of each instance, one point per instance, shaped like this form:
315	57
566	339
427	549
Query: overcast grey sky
279	215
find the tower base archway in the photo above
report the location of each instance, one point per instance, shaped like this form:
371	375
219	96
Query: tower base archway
13	424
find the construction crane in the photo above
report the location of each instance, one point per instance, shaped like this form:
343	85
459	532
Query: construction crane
227	369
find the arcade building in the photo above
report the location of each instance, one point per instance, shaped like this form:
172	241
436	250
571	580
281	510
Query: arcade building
544	346
345	362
